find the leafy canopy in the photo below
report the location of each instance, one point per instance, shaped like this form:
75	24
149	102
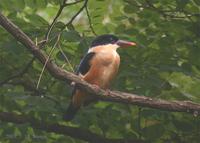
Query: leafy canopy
165	65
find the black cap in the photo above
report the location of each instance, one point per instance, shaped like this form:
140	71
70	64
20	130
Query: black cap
104	39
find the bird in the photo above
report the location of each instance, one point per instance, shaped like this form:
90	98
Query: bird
99	66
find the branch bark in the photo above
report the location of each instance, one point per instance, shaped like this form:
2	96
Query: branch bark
74	132
114	96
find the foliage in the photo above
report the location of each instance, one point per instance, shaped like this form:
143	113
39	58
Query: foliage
165	64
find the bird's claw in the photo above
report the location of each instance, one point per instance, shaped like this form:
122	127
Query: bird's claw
96	87
108	92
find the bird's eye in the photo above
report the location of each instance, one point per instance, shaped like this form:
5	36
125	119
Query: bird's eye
111	40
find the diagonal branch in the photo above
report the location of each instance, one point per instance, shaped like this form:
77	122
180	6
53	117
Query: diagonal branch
29	86
74	132
62	6
89	20
172	14
114	96
78	12
73	3
55	20
18	74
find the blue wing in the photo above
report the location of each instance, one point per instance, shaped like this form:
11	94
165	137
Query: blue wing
84	66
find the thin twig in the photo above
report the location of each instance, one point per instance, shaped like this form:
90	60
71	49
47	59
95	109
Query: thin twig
46	39
29	86
73	3
66	59
55	20
89	19
50	53
20	73
165	13
78	12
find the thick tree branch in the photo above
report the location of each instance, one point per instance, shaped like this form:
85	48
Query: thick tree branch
74	132
114	96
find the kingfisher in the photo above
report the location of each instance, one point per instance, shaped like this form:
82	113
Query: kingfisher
98	67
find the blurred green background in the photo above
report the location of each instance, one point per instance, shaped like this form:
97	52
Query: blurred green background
165	64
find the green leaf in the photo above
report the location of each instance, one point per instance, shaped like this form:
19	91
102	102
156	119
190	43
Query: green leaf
197	2
153	132
183	125
181	4
37	20
71	36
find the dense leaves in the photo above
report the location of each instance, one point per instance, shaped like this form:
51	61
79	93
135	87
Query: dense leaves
165	64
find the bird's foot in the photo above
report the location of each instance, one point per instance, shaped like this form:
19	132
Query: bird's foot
108	92
96	87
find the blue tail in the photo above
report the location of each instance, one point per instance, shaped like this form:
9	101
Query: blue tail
71	112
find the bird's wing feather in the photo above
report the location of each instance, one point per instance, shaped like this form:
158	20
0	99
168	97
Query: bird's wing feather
84	66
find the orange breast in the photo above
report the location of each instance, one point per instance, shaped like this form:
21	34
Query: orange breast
104	67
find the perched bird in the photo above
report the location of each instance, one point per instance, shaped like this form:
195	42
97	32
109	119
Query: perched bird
99	66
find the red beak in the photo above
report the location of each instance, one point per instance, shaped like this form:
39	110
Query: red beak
123	43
